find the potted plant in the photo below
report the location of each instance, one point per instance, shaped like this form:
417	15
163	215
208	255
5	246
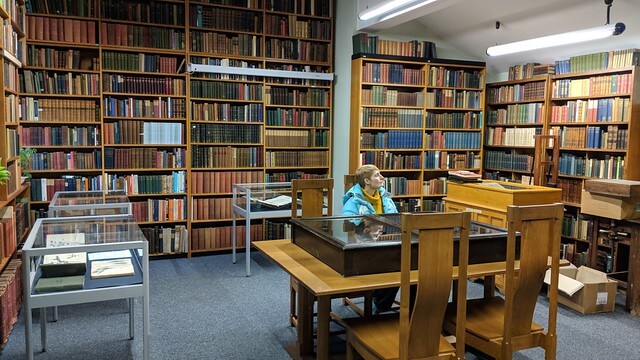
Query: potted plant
25	161
4	174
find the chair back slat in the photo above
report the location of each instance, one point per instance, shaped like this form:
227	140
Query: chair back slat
539	227
420	331
313	193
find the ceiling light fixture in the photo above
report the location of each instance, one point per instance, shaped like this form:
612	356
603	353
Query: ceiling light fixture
571	37
391	9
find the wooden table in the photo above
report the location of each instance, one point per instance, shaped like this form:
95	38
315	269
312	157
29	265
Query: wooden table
320	281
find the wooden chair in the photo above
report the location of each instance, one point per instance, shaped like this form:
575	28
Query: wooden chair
312	193
418	334
498	326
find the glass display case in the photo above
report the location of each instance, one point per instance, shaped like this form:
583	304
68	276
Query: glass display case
87	203
259	201
368	244
74	260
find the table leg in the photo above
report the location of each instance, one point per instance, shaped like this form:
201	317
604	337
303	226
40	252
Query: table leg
55	313
305	321
131	325
233	237
43	328
489	286
324	309
247	243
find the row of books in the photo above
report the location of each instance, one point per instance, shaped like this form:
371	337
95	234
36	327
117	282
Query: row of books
382	95
287	49
289	25
392	139
142	132
576	227
72	160
531	113
612	59
400	185
12	143
275	230
372	44
48	82
611	167
449	98
225	18
61	59
14	177
8	233
391	118
592	137
570	252
288	176
43	189
144	158
530	70
153	13
10	298
302	7
389	160
511	136
291	138
225	157
516	92
11	108
221	182
408	205
62	110
447	77
571	190
211	208
162	107
435	186
227	63
112	60
11	76
215	238
87	8
142	84
61	29
225	43
456	120
593	86
166	240
297	117
452	140
159	210
142	36
501	160
226	90
297	97
11	41
234	112
391	74
134	184
443	160
296	159
592	110
60	136
226	133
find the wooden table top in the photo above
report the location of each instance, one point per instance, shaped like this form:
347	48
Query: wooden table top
322	280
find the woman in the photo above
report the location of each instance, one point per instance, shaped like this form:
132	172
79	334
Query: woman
368	196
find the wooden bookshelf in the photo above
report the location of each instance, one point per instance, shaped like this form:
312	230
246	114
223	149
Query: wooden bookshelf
416	119
177	141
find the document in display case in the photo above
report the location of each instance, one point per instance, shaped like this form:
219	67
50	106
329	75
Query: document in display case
89	203
89	240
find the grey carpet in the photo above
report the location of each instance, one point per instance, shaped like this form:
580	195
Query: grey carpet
205	308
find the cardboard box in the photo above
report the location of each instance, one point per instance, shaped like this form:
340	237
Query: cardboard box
585	290
613	207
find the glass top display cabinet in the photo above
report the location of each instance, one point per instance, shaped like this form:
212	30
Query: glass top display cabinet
87	203
73	260
368	244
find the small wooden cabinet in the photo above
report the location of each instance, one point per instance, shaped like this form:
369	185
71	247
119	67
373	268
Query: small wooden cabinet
488	200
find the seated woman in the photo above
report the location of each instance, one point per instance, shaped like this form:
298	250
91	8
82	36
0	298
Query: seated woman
369	196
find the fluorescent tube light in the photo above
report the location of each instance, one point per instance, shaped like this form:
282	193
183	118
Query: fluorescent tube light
571	37
407	9
386	8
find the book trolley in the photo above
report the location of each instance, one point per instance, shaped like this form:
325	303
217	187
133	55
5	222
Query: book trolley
105	237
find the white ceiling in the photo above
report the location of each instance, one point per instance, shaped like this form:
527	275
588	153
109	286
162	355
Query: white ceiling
469	26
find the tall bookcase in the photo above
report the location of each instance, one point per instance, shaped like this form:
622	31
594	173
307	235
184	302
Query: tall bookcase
14	194
516	110
416	119
176	141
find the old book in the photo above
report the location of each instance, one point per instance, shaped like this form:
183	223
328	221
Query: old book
111	268
56	265
54	284
276	202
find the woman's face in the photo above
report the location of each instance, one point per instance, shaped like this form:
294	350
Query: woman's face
375	181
